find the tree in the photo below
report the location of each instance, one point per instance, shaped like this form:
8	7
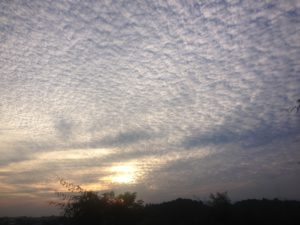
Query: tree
219	199
80	206
296	107
221	207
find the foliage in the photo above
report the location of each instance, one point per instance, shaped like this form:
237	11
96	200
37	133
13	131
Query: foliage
296	107
179	211
220	199
87	207
220	207
80	206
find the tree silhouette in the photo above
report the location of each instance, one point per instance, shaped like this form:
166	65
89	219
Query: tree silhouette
80	206
221	207
219	199
296	107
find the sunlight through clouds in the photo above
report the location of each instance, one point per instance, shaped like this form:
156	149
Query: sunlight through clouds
123	174
73	154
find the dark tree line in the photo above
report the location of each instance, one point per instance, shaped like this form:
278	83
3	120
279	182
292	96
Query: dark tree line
87	207
246	212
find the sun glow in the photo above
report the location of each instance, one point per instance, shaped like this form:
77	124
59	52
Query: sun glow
126	179
124	174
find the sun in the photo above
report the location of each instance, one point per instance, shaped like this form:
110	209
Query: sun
123	179
123	174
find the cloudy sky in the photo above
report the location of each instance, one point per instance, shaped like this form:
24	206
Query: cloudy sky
166	98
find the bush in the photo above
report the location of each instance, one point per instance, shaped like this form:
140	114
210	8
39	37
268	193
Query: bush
87	207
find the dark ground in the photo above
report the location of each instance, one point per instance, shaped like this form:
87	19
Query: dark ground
189	212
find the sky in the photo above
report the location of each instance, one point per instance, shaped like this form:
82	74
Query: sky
165	98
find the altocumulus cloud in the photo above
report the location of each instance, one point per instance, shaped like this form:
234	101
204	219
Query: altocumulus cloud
188	92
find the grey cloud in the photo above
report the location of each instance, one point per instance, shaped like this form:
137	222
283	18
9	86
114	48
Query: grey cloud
64	128
123	139
250	138
27	177
20	151
199	140
227	168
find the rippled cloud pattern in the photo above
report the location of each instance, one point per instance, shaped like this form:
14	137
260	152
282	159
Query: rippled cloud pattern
191	96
